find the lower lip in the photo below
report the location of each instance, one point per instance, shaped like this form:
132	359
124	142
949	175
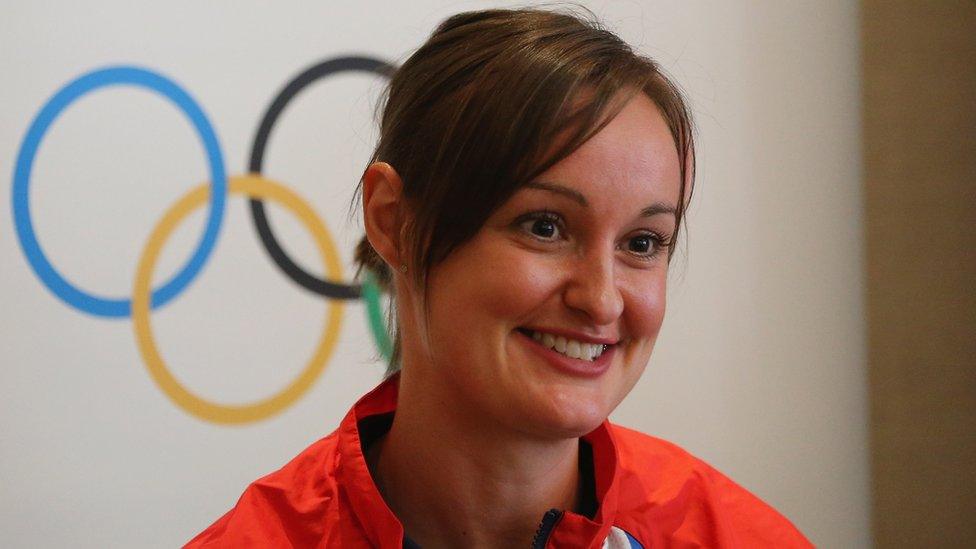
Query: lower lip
571	366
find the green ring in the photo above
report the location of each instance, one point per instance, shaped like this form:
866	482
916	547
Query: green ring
374	312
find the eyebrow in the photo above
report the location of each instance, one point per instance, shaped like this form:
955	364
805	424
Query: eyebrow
654	209
658	208
559	189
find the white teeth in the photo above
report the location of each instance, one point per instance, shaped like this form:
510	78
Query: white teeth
596	351
587	352
569	347
561	344
573	349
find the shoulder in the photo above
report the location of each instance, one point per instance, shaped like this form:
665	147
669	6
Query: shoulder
288	504
689	500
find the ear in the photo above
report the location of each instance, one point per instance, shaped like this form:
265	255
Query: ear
382	209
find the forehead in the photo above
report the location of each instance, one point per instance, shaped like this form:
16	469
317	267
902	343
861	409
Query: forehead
634	153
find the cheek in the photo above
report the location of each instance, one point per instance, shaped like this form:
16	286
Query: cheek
509	283
499	285
645	305
518	287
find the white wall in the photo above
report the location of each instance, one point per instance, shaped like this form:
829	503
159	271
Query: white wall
760	368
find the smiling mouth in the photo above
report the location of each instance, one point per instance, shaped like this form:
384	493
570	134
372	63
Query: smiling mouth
569	347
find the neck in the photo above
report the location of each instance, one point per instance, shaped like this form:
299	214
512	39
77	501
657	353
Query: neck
457	481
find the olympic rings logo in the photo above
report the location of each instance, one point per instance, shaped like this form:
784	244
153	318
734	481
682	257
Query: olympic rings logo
252	185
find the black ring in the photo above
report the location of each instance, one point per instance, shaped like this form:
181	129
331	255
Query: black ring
321	70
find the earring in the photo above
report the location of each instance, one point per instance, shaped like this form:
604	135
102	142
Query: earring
403	268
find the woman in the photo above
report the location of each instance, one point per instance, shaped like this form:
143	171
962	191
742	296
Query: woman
522	206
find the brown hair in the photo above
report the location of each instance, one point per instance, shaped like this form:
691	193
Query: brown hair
475	112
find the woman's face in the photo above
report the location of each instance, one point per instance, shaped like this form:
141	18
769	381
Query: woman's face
571	266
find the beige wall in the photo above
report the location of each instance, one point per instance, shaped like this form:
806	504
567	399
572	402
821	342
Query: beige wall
920	180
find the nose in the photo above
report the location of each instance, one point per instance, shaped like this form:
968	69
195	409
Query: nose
593	289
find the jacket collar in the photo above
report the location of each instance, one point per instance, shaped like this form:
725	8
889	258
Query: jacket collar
383	529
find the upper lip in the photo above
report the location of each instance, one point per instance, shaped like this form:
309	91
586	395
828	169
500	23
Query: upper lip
578	336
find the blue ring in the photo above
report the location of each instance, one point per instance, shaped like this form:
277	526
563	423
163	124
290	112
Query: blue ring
134	76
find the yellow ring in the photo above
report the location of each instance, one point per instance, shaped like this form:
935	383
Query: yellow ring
257	187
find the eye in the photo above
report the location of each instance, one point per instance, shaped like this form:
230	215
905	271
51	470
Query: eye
543	228
640	244
646	245
542	225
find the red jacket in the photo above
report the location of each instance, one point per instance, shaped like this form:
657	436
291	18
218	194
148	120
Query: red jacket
650	493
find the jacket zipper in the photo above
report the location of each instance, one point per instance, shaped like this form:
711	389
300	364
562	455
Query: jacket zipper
542	534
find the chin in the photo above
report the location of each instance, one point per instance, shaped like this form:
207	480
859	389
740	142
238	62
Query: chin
568	412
